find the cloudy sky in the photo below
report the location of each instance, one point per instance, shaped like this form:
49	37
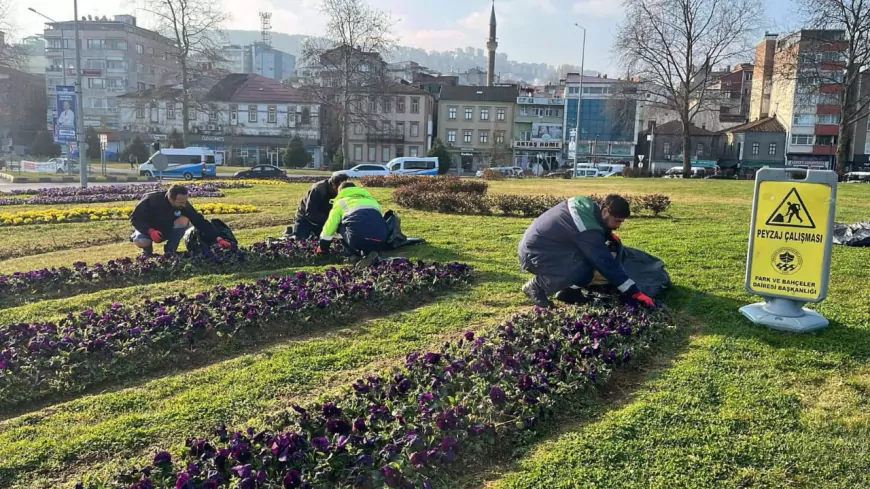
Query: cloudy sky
528	30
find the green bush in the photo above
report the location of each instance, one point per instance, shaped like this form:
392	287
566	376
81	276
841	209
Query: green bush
443	202
427	184
444	160
523	205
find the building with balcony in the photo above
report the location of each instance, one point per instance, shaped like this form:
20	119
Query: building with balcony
247	118
397	122
538	134
117	57
476	123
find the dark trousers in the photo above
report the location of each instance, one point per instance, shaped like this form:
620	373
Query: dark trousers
304	229
359	244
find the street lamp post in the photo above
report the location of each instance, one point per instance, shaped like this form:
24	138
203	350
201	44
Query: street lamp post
579	96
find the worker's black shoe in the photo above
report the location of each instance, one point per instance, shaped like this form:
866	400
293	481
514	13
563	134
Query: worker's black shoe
368	260
536	294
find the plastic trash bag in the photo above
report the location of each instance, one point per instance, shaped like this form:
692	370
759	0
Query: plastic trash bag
857	234
395	237
195	242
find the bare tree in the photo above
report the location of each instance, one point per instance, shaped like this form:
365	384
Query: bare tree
194	27
671	46
11	55
834	52
349	63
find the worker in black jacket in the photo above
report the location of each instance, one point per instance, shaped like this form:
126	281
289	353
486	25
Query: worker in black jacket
315	206
164	217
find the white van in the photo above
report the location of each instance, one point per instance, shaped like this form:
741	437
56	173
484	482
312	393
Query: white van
414	165
187	163
610	170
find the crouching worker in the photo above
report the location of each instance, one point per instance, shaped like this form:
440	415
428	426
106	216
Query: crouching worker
315	206
355	216
163	217
566	245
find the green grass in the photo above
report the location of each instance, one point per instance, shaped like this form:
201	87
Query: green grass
729	404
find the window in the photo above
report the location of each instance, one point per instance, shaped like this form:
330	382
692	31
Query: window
484	113
273	114
500	114
140	112
140	49
771	149
154	115
116	44
373	153
116	65
140	68
252	113
140	86
755	148
191	113
802	139
525	135
151	51
400	128
469	113
385	154
467	136
212	113
116	83
234	115
451	135
415	105
666	148
357	152
170	110
803	119
415	129
400	151
400	105
151	70
96	43
372	105
60	44
499	137
524	110
700	150
357	129
96	83
99	103
573	90
413	151
451	113
828	119
484	137
387	105
306	116
95	64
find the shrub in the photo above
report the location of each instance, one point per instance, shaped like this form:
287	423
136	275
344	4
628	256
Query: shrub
444	160
427	184
655	203
392	181
489	174
523	205
436	414
445	202
629	172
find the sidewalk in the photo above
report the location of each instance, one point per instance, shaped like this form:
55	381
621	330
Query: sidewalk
73	178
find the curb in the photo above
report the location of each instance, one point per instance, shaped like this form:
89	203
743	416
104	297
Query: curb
96	179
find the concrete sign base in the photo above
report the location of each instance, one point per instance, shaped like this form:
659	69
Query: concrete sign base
784	315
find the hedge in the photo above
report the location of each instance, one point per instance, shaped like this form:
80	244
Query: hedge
427	184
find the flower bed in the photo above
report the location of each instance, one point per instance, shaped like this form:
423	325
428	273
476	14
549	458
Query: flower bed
87	348
86	214
508	204
417	424
112	193
21	287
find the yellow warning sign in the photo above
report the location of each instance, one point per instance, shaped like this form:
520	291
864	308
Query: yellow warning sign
788	240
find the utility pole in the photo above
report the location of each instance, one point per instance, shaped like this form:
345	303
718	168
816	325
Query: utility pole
80	118
580	96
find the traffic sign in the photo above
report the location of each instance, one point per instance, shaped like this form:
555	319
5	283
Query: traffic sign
160	162
790	246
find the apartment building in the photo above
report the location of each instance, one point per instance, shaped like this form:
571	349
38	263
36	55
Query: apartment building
117	57
538	134
247	118
260	59
476	122
395	123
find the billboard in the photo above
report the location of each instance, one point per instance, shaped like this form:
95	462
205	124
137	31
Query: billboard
65	127
546	131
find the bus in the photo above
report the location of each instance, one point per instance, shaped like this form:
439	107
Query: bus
413	165
187	163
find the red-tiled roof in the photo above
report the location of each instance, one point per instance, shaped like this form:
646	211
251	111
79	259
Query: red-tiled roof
239	87
768	124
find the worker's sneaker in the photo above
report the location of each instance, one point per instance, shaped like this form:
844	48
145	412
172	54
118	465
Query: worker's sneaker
536	294
368	260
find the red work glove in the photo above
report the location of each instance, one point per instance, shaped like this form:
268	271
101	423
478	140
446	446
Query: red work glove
155	235
644	299
615	237
224	243
320	251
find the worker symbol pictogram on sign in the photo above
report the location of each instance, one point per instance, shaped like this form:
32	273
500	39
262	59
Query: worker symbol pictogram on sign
792	213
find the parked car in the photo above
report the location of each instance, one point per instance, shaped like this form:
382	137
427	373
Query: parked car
261	171
506	171
364	171
696	172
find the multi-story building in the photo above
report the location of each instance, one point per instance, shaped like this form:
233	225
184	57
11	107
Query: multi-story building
608	119
117	57
248	118
538	134
396	122
753	145
475	123
22	108
260	59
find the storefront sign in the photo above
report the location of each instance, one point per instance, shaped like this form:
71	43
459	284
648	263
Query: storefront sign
808	161
540	101
214	139
538	144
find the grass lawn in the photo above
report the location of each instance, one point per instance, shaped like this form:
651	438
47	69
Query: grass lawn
724	404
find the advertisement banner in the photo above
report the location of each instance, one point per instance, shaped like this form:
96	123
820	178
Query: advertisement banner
65	127
546	131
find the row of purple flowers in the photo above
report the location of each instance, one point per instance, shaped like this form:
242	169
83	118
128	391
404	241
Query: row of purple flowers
109	193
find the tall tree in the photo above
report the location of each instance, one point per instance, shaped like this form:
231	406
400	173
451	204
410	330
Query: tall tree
349	63
195	29
92	140
444	160
833	60
671	46
11	55
296	155
175	140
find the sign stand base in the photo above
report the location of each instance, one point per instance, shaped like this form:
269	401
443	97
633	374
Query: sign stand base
784	315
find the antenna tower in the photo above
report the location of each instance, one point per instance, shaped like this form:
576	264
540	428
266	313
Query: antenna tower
266	27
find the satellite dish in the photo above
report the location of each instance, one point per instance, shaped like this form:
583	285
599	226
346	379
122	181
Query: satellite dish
160	162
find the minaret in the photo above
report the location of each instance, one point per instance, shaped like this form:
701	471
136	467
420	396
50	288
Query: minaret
491	44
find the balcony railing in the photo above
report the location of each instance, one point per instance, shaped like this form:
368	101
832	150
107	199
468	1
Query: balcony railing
388	137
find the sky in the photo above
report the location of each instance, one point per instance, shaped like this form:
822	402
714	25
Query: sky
528	30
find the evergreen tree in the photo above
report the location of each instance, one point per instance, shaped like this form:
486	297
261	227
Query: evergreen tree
337	160
138	150
92	139
175	140
44	145
445	161
296	155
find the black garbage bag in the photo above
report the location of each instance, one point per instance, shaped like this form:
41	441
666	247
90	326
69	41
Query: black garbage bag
646	270
857	234
395	237
196	242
